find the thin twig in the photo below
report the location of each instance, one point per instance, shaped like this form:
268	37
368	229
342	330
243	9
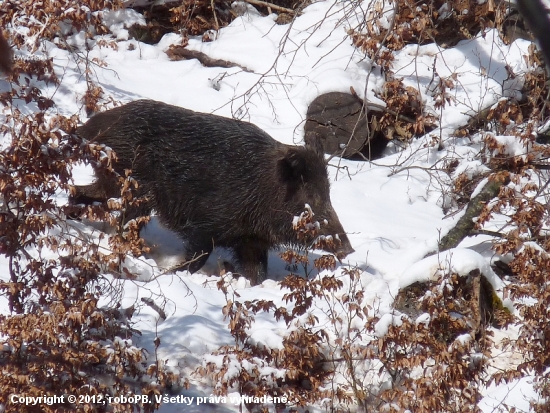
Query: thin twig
215	18
149	302
487	232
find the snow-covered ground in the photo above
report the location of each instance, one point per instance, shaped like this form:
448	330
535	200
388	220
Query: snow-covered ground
393	214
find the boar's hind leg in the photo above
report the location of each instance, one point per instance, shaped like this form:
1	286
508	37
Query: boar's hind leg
251	256
96	192
88	194
103	188
85	195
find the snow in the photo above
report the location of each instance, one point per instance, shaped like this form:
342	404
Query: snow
391	208
385	322
119	20
518	394
456	260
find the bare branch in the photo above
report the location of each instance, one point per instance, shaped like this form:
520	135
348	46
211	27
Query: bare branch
270	5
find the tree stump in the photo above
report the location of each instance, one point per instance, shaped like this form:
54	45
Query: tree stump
337	125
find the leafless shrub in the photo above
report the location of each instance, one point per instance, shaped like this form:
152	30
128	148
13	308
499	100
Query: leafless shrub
57	339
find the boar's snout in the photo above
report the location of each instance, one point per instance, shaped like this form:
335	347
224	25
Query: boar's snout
344	249
341	247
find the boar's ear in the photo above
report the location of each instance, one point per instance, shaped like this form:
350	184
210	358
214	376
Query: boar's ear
292	167
314	141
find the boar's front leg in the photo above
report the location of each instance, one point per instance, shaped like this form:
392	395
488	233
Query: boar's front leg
251	256
196	254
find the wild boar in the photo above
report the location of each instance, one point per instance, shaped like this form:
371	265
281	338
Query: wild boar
215	181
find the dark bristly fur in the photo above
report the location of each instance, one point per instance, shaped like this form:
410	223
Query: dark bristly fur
213	180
